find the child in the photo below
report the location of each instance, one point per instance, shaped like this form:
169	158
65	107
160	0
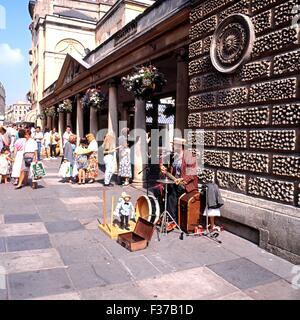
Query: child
81	160
125	209
5	161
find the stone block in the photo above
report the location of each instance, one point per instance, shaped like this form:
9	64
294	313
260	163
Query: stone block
206	175
196	84
262	4
262	21
194	120
231	180
272	139
250	116
209	138
285	12
232	139
201	65
271	189
287	62
234	96
286	114
195	49
273	90
202	101
286	166
275	41
255	70
216	158
216	119
255	162
196	14
202	28
210	6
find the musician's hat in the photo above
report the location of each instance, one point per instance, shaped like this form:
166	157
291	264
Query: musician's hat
177	140
125	195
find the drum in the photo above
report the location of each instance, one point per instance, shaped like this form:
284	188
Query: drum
147	207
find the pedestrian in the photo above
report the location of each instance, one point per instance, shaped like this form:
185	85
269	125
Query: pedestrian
4	140
54	138
108	151
124	157
69	154
66	135
46	143
19	148
29	156
93	169
5	161
38	137
81	160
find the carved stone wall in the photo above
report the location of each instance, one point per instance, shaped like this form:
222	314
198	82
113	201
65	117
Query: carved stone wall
250	117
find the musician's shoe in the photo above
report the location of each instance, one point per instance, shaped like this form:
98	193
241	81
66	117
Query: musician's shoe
171	226
127	228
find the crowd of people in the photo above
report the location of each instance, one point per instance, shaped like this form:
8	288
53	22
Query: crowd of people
21	146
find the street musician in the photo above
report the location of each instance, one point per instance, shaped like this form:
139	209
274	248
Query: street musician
183	171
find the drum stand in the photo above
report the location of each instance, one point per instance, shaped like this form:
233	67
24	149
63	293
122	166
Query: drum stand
165	218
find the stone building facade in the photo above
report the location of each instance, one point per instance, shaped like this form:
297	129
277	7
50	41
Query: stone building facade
251	117
17	112
2	100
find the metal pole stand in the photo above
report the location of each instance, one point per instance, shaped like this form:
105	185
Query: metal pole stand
165	218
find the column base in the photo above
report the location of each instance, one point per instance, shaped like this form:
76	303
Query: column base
138	183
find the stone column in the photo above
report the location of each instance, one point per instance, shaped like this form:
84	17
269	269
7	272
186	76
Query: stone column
182	91
69	122
113	115
79	120
61	129
93	121
140	146
48	122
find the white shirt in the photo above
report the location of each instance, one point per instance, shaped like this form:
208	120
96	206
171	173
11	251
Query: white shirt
47	139
31	145
93	146
66	137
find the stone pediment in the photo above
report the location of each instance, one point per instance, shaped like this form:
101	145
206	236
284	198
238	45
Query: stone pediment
71	68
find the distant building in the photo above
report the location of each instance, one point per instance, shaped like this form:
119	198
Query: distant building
2	101
76	27
17	112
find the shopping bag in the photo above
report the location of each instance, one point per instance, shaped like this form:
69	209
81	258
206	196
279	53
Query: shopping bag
75	171
38	170
65	170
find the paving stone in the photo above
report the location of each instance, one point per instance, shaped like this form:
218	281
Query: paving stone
22	229
80	200
243	273
278	290
1	218
3	295
58	297
275	264
22	218
140	267
56	215
63	226
84	254
2	245
22	243
75	238
192	284
23	261
239	295
126	291
38	284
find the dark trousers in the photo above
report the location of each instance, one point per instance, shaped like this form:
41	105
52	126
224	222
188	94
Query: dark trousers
124	221
53	150
39	145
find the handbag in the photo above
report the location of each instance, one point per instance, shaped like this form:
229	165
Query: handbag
28	159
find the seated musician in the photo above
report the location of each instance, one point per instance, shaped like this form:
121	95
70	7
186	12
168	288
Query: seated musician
183	171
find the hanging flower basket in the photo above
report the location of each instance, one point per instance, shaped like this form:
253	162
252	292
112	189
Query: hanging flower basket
94	98
50	112
65	107
144	82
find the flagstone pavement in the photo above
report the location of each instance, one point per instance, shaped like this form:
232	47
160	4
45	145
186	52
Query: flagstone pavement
51	248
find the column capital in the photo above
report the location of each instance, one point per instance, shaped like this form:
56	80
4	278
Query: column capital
113	82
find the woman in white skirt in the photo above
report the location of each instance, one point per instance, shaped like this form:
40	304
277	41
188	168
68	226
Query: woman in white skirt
19	149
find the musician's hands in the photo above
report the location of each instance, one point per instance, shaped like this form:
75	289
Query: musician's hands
163	169
179	181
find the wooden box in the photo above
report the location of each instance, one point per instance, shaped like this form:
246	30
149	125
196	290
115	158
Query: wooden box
139	238
189	211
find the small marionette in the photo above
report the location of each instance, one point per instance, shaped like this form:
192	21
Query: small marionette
125	210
